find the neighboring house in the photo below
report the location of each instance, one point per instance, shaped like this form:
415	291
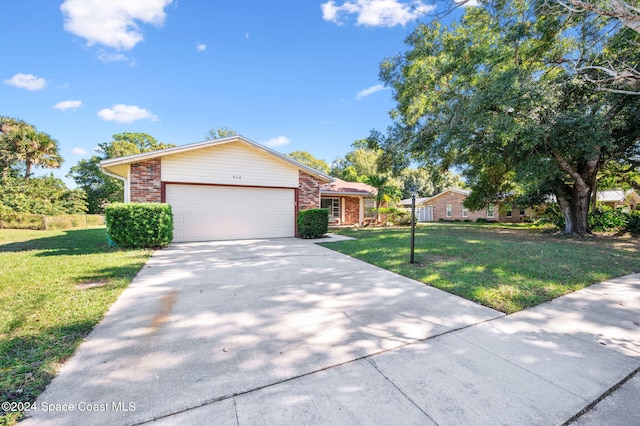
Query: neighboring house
447	205
349	203
616	198
231	188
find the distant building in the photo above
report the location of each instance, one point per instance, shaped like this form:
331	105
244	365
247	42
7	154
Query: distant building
448	205
619	198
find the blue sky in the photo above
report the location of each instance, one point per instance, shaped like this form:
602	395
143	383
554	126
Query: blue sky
291	74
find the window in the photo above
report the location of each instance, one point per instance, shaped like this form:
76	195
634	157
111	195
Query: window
509	208
465	212
522	212
369	205
449	210
490	211
333	205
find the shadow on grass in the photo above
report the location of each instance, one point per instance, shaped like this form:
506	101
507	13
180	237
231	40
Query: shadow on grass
71	242
108	275
26	362
507	270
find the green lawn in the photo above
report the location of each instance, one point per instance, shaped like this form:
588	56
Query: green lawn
46	310
508	268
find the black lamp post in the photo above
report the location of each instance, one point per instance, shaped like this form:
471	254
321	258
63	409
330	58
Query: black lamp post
413	223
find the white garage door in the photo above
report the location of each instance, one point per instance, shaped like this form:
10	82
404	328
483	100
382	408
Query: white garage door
202	212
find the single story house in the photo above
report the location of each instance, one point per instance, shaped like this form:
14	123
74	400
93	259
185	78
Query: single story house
619	198
448	205
349	203
224	189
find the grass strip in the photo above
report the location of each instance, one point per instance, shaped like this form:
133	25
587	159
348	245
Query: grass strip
55	286
505	268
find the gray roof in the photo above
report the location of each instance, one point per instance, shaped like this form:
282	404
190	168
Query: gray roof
420	200
613	195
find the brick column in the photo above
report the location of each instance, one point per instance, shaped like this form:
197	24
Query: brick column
308	192
145	183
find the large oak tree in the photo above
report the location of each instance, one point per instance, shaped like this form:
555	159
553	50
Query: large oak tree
496	95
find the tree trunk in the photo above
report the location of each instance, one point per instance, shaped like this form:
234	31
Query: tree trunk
575	209
574	200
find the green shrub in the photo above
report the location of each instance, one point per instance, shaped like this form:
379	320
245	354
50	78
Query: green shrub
313	223
480	220
395	216
24	221
404	219
38	221
139	225
552	215
633	225
605	218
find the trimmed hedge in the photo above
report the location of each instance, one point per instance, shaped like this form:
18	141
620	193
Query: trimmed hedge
139	225
313	223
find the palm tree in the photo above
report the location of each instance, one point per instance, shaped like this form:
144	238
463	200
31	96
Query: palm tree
386	192
8	127
21	142
38	149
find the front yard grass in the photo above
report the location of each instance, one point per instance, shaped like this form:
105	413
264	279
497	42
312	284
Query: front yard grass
55	286
507	268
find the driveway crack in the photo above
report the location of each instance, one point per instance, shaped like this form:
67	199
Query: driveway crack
373	364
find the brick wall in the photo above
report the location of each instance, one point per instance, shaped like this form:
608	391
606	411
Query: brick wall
456	199
145	182
351	210
308	192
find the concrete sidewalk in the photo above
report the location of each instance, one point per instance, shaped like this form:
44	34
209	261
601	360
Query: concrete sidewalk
287	332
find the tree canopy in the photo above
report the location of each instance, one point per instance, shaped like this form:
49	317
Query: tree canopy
357	163
46	195
219	133
494	95
307	159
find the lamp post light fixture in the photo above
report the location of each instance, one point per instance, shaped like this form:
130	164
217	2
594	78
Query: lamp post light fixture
413	223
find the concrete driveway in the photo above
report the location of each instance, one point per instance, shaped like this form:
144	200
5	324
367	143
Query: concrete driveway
203	322
287	332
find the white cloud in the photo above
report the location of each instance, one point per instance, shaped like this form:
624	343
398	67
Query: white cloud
112	23
79	151
201	47
376	13
122	113
468	3
65	105
108	57
370	91
27	81
279	141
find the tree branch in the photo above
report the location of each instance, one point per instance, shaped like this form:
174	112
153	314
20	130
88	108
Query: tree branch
618	9
564	165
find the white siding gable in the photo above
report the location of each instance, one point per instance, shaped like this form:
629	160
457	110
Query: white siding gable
229	164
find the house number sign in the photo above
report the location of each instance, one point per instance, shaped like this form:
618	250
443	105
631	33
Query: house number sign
237	176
